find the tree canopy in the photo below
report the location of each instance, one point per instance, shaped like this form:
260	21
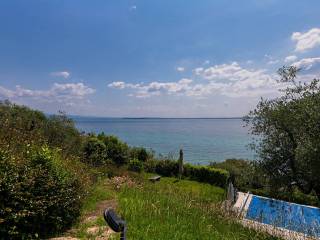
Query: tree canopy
288	130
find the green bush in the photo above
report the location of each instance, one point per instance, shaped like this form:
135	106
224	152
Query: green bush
39	196
135	165
210	175
167	167
170	168
116	150
150	166
20	125
140	153
60	131
94	151
244	174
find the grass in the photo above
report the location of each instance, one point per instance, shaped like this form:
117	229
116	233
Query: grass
168	209
172	209
99	192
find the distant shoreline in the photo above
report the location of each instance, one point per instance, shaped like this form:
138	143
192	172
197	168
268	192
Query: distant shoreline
76	116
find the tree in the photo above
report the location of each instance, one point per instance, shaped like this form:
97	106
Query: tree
116	150
288	130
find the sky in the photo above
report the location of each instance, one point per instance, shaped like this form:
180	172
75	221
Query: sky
148	58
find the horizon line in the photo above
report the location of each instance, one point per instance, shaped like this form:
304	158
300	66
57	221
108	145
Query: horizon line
71	115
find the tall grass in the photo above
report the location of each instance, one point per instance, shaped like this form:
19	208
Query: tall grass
178	210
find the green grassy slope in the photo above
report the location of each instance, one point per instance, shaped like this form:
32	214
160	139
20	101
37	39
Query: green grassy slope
168	209
178	210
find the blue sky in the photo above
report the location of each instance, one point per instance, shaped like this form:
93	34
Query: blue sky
147	58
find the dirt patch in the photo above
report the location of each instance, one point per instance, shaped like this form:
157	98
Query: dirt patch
93	230
101	206
105	234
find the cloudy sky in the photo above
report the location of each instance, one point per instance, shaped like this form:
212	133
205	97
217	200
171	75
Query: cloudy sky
153	58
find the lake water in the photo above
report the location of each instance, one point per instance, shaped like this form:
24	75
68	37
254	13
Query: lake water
203	140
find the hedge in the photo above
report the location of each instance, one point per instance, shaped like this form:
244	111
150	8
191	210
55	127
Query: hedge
214	176
170	168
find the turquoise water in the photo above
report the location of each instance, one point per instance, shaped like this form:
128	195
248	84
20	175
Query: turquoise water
203	140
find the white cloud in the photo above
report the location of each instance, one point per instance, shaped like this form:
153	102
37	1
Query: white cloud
307	40
206	62
226	79
231	72
198	70
180	69
133	8
155	88
122	85
63	74
67	93
307	63
6	93
119	85
273	62
290	58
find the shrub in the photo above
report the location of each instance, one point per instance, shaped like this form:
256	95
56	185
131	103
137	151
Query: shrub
164	167
116	150
39	196
20	125
94	151
150	166
169	168
135	165
140	153
210	175
61	132
244	174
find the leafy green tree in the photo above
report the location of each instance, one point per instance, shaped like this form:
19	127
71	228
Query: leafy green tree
94	151
140	153
116	150
288	130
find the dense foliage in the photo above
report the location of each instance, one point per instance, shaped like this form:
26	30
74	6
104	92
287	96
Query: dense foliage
102	149
116	150
41	180
245	175
20	126
135	165
205	174
38	196
289	135
141	154
94	151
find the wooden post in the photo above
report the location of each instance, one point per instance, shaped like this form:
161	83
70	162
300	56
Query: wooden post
180	161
